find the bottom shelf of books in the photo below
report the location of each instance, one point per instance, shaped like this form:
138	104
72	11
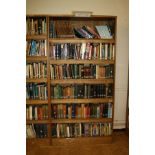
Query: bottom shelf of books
69	133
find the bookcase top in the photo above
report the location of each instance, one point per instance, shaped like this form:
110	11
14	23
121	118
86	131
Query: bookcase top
70	16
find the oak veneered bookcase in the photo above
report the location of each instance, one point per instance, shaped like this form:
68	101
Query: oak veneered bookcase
69	98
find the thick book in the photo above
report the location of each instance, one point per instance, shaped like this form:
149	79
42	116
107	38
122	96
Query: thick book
90	34
78	33
92	31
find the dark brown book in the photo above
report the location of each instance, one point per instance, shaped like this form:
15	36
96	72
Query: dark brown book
92	31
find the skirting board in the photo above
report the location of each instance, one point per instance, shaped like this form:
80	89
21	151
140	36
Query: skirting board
119	125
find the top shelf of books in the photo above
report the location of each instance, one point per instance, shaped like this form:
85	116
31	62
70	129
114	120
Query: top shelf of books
96	29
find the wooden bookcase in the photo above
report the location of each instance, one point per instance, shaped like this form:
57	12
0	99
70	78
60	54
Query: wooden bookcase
63	26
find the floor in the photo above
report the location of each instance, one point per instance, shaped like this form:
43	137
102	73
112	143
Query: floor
120	146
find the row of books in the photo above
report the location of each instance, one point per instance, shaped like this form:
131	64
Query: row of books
36	112
36	91
36	48
102	110
36	70
81	91
85	32
81	130
35	26
52	31
102	31
69	130
69	71
80	71
86	51
36	131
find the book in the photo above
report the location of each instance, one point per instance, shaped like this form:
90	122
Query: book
92	31
78	33
30	132
104	31
85	28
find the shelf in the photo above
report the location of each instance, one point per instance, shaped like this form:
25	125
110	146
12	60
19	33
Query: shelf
36	102
37	141
36	37
37	80
82	140
37	121
80	40
82	81
76	61
83	120
90	100
76	120
68	141
36	58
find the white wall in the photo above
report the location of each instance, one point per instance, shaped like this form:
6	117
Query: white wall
117	8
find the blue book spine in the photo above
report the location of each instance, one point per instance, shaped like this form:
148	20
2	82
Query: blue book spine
33	48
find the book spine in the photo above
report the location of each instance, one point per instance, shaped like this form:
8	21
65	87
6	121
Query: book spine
58	130
106	51
113	52
30	113
83	48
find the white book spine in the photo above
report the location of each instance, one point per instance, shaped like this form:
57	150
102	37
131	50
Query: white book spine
106	51
45	48
94	52
58	130
27	71
39	70
83	48
98	111
68	133
30	71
